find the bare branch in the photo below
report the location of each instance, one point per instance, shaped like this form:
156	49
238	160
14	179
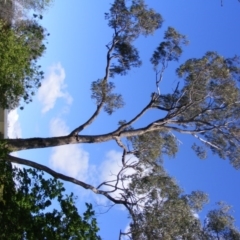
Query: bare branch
88	122
160	74
64	177
120	144
188	131
99	107
124	126
206	142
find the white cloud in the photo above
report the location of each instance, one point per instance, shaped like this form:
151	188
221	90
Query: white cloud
109	169
196	215
69	159
53	87
110	166
73	161
58	127
113	164
14	128
126	230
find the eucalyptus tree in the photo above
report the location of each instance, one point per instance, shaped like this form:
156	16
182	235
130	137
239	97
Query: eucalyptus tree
204	104
161	210
219	224
22	44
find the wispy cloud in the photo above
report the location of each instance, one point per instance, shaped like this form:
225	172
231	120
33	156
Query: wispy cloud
112	164
108	170
53	87
126	230
58	127
14	128
69	159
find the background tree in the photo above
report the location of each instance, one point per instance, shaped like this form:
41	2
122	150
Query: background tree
25	199
11	11
203	104
35	5
163	211
21	46
6	11
219	224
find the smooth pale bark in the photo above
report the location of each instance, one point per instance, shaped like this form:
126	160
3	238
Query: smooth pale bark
33	143
65	178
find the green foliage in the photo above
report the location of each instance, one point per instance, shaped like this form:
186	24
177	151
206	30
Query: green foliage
20	75
102	93
4	151
196	200
128	23
206	102
212	95
220	224
200	151
35	5
151	146
165	213
25	212
134	20
127	56
169	50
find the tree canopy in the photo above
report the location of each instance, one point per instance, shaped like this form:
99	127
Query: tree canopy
12	11
203	104
35	5
25	200
21	46
164	211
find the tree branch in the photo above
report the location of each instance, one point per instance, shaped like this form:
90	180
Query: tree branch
206	142
88	122
99	107
63	177
124	126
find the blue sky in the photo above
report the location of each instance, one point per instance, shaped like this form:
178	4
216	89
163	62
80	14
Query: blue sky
75	57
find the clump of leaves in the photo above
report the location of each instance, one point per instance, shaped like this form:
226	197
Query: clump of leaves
102	93
20	47
128	23
151	146
170	49
24	210
220	223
